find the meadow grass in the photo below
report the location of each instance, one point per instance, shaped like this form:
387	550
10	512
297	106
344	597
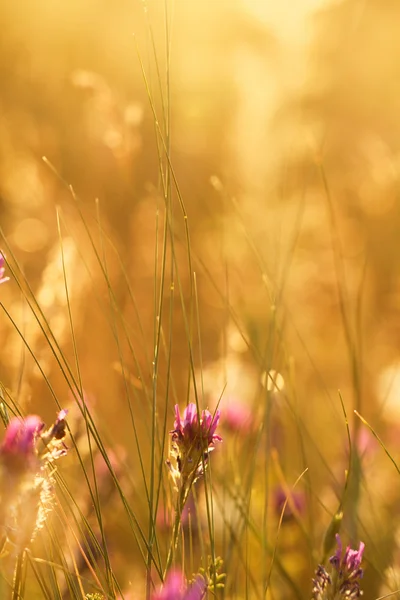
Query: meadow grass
211	470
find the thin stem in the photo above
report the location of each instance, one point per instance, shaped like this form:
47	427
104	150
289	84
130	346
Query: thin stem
181	501
18	578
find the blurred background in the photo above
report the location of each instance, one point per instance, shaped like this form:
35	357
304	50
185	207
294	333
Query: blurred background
284	141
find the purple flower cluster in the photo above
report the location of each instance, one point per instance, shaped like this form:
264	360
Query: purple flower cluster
347	568
192	429
344	579
175	588
192	440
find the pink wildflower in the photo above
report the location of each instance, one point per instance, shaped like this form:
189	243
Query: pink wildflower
21	434
175	588
192	440
18	450
191	429
2	269
238	417
172	589
26	485
349	563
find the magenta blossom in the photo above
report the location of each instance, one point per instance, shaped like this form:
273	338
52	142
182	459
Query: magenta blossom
238	417
175	588
192	440
349	563
19	441
192	429
26	482
343	579
296	502
2	269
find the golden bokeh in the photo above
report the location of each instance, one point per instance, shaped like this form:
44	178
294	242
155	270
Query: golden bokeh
281	123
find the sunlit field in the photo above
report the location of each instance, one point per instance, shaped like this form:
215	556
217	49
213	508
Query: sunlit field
200	300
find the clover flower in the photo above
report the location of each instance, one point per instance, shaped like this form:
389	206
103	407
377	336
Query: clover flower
175	588
344	579
26	486
192	440
2	269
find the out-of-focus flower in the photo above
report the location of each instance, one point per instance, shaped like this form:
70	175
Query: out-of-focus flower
343	581
367	444
296	502
172	588
192	440
26	486
18	449
2	269
20	435
238	416
175	588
